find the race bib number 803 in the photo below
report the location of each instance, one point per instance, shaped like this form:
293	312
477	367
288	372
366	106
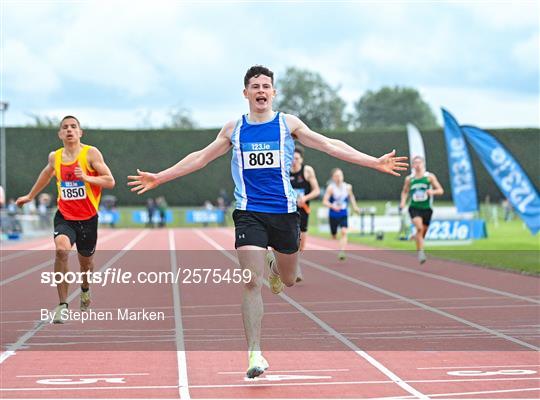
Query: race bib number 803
261	155
72	190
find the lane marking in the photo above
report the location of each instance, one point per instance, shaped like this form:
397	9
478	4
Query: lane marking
61	375
375	382
286	371
420	305
492	373
179	329
40	324
396	379
47	246
277	378
87	388
437	277
483	366
281	384
467	393
47	263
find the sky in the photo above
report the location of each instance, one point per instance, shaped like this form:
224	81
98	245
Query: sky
129	64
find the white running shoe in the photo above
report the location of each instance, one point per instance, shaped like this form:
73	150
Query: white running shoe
257	364
422	256
58	318
276	286
299	276
85	300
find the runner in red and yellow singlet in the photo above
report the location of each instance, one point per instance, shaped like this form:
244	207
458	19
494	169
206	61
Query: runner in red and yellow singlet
81	174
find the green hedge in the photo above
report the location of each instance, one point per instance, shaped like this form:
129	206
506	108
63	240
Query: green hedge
153	150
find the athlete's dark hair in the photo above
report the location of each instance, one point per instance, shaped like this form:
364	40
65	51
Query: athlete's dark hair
299	149
70	116
255	72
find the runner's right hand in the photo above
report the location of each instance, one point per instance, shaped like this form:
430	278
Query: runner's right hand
143	182
22	200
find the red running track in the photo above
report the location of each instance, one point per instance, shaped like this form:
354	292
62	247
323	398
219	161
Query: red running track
375	326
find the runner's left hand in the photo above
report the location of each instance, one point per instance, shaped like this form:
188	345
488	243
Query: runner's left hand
79	173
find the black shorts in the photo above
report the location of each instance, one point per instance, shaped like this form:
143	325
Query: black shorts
83	233
304	219
425	214
335	223
279	231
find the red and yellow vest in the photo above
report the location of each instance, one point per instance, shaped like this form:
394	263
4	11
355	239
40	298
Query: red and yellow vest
77	200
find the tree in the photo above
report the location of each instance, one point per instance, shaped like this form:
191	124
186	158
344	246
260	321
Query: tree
180	118
305	94
40	121
392	107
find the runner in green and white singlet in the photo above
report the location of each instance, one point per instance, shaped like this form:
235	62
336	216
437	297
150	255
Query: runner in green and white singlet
421	186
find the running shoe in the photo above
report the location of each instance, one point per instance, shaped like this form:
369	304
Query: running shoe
257	364
422	256
299	276
342	256
276	286
85	300
58	319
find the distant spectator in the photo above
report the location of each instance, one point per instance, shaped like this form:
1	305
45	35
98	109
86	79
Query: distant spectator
43	209
161	205
223	194
508	210
108	205
151	210
222	206
13	224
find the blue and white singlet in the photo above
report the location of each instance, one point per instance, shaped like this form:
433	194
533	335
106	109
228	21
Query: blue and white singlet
340	198
261	164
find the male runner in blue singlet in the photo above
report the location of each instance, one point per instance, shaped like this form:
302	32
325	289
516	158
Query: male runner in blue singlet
262	144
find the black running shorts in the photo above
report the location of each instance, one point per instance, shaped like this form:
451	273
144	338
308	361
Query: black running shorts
425	214
279	231
83	233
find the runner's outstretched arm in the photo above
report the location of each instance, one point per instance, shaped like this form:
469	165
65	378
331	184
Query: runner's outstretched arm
388	163
145	181
42	181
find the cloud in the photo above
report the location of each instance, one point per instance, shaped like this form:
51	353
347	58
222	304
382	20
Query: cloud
149	56
25	72
484	108
526	53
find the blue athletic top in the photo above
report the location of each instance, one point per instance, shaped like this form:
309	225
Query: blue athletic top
261	163
339	197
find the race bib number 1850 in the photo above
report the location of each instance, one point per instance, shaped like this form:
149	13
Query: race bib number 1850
72	190
261	155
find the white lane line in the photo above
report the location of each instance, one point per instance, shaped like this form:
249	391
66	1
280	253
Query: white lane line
484	366
396	379
46	263
179	329
61	375
468	393
287	371
343	302
40	324
85	388
435	276
256	384
46	246
420	305
375	382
